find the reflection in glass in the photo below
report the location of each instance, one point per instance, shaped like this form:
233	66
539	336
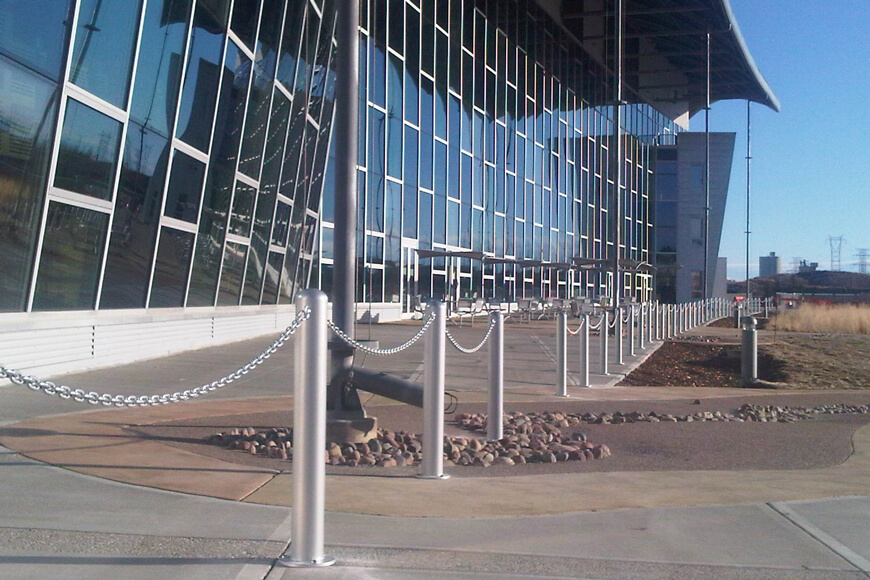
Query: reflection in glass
195	116
28	109
158	71
185	188
209	242
273	278
231	106
134	226
33	34
89	147
243	208
103	53
282	224
231	276
69	265
170	271
244	21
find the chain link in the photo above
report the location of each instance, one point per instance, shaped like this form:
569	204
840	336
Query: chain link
474	349
597	325
385	351
94	398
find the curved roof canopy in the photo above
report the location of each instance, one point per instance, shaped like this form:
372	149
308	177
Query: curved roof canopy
665	50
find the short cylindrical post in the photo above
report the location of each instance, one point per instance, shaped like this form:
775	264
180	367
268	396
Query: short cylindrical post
631	319
767	308
584	351
495	403
749	351
432	465
617	333
640	328
737	315
658	325
561	355
605	330
649	323
309	434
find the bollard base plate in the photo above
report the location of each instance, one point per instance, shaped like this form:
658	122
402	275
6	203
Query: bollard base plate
442	476
321	563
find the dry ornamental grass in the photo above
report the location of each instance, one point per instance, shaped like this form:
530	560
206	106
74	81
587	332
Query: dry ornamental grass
839	319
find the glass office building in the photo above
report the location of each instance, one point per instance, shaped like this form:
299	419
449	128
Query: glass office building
177	154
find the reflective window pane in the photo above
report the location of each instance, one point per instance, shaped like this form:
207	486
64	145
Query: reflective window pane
209	242
273	278
134	226
88	154
195	116
103	53
170	271
185	188
243	208
69	265
244	21
28	111
33	33
231	276
158	72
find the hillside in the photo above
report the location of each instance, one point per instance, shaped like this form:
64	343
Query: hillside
819	282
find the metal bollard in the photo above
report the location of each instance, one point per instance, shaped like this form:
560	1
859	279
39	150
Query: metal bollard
584	352
658	329
631	331
748	351
766	308
495	403
432	465
737	315
649	322
309	434
640	320
561	355
605	331
617	334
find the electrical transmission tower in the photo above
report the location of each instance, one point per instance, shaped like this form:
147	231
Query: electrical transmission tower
836	243
862	261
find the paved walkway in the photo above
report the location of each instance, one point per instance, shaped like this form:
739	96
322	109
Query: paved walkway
80	521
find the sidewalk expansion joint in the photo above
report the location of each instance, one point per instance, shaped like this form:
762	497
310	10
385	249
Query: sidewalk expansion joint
822	537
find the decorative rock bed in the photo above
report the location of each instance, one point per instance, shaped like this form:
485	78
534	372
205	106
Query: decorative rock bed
528	437
401	449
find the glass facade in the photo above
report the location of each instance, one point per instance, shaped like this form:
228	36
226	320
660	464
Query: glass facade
172	153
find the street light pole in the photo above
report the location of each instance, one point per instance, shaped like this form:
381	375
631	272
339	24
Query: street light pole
344	245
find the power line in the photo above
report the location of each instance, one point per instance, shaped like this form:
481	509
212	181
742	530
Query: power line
861	255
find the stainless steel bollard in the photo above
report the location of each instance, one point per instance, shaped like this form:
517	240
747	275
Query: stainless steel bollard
649	322
658	327
748	351
309	434
561	355
617	333
584	352
737	315
631	319
605	331
640	321
495	403
432	465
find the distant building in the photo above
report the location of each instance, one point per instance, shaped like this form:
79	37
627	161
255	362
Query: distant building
805	267
678	220
769	265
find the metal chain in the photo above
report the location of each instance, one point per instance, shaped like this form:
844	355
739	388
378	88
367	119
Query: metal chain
385	351
613	323
627	317
579	328
94	398
597	325
472	350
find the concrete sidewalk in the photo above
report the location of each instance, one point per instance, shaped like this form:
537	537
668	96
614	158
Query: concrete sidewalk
67	523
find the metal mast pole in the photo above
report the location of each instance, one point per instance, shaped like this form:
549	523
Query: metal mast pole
707	178
748	165
617	152
346	111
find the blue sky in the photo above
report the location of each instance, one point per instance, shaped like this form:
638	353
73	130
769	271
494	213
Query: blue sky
810	176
